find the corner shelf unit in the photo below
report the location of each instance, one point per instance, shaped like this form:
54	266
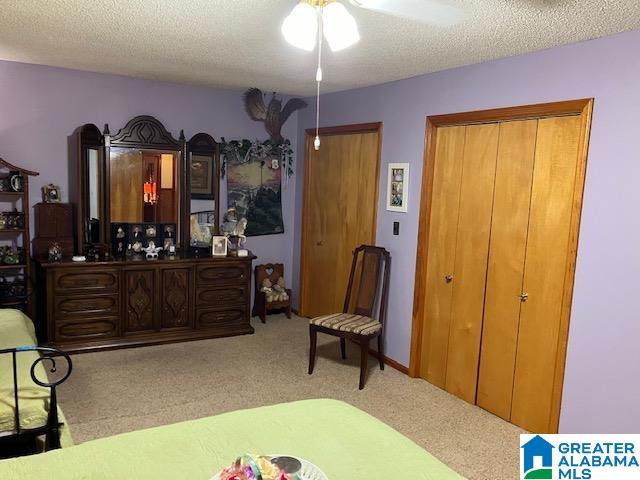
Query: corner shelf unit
16	281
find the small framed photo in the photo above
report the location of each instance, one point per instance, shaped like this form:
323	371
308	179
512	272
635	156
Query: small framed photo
219	246
51	193
168	230
398	187
151	230
137	233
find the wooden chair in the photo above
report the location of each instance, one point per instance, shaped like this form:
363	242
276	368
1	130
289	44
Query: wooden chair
358	326
261	307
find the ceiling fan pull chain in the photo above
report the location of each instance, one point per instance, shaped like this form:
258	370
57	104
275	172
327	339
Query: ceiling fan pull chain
316	141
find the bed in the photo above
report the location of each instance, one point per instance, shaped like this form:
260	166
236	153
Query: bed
346	443
17	334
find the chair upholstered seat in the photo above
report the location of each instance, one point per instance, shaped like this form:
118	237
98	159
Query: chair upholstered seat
348	322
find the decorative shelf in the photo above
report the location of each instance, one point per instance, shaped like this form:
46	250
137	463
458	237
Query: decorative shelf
23	239
14	266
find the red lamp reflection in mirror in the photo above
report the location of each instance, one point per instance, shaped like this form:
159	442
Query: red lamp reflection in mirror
150	189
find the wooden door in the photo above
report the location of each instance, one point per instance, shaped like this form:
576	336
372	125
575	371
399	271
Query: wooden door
509	223
441	251
550	249
471	252
341	184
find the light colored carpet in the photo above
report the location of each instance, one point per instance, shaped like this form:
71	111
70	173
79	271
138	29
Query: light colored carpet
123	390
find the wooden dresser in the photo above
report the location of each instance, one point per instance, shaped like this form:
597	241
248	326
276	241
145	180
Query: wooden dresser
98	305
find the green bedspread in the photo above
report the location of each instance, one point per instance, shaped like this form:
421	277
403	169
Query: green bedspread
16	330
345	442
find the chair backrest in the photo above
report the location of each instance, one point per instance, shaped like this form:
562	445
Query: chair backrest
369	262
272	271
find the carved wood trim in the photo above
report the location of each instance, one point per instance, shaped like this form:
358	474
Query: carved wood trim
202	143
145	131
175	285
139	300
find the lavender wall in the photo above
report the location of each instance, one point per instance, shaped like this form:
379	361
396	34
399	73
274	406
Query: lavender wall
41	106
601	390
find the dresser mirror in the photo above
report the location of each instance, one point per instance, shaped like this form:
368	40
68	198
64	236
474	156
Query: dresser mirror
140	179
89	198
143	186
205	190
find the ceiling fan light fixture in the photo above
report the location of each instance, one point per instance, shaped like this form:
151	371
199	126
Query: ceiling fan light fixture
300	28
339	27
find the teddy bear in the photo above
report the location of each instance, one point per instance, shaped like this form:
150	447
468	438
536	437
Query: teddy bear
281	290
267	288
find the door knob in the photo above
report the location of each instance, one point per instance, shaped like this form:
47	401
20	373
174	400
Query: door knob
448	278
524	297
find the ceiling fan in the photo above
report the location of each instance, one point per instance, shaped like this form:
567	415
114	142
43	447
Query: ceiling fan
311	21
438	12
301	27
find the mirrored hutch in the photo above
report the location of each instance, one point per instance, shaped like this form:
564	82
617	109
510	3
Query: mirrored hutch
134	191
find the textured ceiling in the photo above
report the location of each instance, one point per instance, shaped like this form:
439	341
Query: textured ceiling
237	43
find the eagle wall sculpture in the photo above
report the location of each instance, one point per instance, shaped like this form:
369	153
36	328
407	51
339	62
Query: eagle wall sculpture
273	115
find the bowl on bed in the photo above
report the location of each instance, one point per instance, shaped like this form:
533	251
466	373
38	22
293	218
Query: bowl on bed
298	468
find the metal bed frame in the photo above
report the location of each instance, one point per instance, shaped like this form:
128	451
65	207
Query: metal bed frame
22	441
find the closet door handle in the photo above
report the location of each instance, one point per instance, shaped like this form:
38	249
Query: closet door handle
524	297
448	278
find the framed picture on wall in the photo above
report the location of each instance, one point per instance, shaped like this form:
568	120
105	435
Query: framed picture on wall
398	187
202	177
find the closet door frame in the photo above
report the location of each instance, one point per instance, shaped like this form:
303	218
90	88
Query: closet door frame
310	133
582	108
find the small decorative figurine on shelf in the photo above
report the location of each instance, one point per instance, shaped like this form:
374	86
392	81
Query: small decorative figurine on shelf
10	257
51	193
15	181
55	254
233	228
152	250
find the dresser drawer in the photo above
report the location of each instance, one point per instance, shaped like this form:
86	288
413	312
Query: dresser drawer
67	280
72	306
213	317
222	274
221	296
86	329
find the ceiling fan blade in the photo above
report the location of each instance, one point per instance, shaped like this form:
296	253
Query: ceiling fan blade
438	12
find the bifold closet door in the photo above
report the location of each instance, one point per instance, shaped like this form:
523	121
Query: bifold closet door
443	228
548	256
470	266
509	224
459	228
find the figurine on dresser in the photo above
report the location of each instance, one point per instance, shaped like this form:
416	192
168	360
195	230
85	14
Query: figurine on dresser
233	228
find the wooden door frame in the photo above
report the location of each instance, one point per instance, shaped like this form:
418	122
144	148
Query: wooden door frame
581	107
310	133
